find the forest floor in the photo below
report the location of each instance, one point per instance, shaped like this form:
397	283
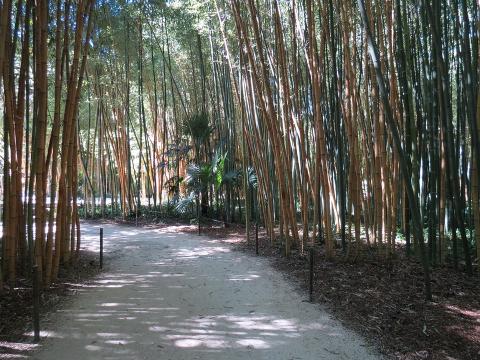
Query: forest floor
167	293
16	303
384	300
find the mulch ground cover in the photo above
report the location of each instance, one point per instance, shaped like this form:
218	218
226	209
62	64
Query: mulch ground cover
16	303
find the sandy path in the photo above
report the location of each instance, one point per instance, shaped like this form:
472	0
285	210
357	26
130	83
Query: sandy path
167	295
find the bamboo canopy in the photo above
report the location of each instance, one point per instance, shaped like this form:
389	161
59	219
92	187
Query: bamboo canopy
349	125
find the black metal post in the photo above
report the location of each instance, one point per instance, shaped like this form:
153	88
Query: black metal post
256	237
198	214
101	248
312	251
36	303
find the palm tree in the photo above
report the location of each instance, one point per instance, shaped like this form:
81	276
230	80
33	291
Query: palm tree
199	177
197	126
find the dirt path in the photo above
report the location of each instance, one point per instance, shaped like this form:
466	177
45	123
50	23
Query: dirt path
168	295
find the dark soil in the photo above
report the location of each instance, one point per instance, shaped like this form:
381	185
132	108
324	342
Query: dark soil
384	300
16	303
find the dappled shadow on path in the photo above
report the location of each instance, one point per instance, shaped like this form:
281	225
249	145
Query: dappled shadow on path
175	296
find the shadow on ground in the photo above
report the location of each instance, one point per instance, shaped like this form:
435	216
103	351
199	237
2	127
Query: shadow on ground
176	296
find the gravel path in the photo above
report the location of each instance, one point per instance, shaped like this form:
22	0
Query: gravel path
167	295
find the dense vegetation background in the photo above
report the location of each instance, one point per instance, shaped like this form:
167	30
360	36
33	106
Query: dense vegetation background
351	124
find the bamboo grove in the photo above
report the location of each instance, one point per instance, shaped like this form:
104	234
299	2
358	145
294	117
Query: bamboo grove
43	59
344	123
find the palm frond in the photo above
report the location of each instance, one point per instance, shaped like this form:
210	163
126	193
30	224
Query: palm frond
198	127
193	174
198	176
185	203
252	178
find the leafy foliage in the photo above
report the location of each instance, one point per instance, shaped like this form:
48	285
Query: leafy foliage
173	184
232	177
198	127
185	204
252	179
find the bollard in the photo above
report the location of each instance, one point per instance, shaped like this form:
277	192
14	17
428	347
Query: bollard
311	274
36	303
256	238
101	248
198	216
